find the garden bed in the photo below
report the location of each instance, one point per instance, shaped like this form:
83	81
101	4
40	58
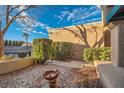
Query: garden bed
68	78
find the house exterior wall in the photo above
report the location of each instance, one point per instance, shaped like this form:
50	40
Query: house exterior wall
94	34
107	38
117	40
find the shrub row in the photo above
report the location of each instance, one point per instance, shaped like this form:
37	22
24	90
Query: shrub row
61	50
44	49
91	54
13	43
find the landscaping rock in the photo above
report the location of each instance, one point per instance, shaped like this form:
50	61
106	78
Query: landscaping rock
31	77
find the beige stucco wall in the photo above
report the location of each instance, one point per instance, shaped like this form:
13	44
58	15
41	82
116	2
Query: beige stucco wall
16	64
65	35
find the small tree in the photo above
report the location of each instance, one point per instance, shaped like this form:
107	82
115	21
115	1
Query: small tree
14	43
18	43
12	13
5	42
9	43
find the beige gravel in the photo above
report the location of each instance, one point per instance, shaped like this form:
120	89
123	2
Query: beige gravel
31	77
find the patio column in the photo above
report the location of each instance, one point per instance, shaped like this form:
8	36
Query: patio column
104	13
117	43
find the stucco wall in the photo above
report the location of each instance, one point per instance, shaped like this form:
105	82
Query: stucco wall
16	64
117	40
94	35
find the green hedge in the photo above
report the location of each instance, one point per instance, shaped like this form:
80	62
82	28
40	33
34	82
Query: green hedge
13	43
42	49
61	50
37	52
91	54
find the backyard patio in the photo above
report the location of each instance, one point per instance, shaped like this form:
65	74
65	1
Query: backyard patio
88	55
69	77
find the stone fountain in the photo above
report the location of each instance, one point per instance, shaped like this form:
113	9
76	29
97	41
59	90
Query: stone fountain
51	77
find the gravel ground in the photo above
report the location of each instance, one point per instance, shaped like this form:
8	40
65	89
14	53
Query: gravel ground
31	77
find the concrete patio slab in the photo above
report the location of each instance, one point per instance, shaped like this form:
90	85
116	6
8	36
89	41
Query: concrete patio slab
111	75
72	64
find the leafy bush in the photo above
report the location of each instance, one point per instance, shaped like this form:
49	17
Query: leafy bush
103	54
37	51
44	47
61	50
9	43
51	50
88	55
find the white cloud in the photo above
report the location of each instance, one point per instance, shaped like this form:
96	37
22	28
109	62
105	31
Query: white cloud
40	24
36	32
92	8
30	24
87	21
62	15
79	14
94	13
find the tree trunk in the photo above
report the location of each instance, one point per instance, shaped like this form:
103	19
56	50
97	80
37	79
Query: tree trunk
27	43
1	45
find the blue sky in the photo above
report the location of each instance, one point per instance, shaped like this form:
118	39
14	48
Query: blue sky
47	17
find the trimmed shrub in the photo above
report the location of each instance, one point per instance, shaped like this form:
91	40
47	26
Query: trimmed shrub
88	55
9	43
37	52
101	53
13	43
44	49
61	50
51	50
5	42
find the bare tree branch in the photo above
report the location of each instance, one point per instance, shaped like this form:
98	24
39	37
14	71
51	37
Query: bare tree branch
84	30
7	26
14	17
7	14
24	10
84	34
97	43
13	8
96	36
74	33
24	17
